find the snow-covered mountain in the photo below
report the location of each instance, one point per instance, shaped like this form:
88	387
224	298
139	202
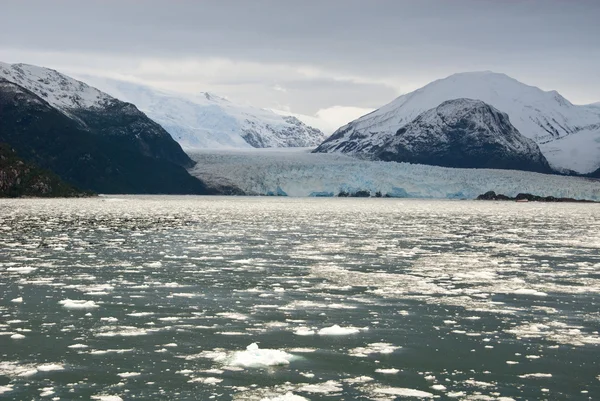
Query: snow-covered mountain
463	133
87	137
209	121
60	91
568	135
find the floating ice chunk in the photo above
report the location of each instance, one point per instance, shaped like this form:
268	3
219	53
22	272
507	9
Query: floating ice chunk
186	295
51	367
17	336
535	375
233	315
390	371
374	348
153	264
6	389
529	291
29	372
110	351
359	379
304	331
126	331
77	346
330	386
78	304
253	356
439	387
21	269
140	314
47	391
336	330
477	383
289	396
17	300
206	380
403	392
185	372
128	374
102	397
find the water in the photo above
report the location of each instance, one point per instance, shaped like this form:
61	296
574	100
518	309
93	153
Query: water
158	298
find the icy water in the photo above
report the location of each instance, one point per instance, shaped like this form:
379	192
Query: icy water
192	298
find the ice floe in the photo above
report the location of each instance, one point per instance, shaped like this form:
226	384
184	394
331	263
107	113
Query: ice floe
337	330
289	396
78	304
255	357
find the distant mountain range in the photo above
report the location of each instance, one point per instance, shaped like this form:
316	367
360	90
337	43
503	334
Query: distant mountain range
206	121
90	139
96	142
567	135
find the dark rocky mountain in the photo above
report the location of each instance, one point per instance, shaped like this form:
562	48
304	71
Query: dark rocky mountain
21	179
108	147
463	133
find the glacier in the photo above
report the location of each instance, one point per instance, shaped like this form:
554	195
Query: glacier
297	172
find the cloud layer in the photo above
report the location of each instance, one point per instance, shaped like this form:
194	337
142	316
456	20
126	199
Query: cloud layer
329	57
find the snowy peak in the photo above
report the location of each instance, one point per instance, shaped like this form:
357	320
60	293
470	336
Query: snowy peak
208	121
463	133
560	128
97	112
57	89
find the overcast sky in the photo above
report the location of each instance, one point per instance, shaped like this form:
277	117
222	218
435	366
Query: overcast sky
332	58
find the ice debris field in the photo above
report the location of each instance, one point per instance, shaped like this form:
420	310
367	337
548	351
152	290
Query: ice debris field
196	298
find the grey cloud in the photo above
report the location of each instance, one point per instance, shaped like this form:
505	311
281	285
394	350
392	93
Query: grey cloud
550	43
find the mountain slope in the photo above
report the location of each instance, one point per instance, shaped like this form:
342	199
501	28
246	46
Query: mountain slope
568	135
98	112
19	178
208	121
88	158
463	133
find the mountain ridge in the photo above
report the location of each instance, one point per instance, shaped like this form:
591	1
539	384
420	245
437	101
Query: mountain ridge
461	133
94	142
206	120
568	135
